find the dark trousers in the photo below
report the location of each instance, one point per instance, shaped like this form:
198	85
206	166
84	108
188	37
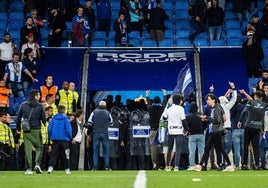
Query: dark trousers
74	155
214	139
59	146
251	135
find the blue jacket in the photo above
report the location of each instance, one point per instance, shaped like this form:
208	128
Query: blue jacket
60	128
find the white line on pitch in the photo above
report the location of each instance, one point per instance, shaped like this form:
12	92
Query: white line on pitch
140	181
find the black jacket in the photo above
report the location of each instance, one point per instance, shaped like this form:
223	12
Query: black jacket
37	116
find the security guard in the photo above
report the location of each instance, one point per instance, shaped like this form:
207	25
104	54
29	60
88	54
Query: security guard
65	98
6	142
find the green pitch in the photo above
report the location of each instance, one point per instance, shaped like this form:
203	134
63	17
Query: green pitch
125	179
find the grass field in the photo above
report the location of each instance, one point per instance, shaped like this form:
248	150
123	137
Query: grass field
127	179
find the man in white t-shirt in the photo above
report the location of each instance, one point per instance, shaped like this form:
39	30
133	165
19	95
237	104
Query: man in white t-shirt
6	50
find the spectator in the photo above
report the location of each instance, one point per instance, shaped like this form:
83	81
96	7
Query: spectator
263	81
81	29
177	125
38	24
31	43
60	132
7	48
33	110
196	134
121	28
57	26
241	7
257	28
13	75
255	110
76	140
237	132
26	29
90	13
104	14
48	88
157	28
215	19
216	119
4	96
136	18
100	119
32	65
155	111
197	13
28	6
253	54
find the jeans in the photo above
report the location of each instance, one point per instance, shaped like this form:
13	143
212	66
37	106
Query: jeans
214	32
99	138
227	141
238	144
196	141
262	151
240	16
17	89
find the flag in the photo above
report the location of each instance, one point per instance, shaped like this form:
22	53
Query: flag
184	82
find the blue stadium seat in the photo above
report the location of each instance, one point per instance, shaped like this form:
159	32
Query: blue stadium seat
264	43
146	34
110	42
203	35
148	43
44	33
167	42
98	43
234	41
3	24
181	4
100	34
228	6
182	14
134	34
182	42
170	13
183	24
220	42
229	14
169	24
231	33
16	16
3	16
136	42
169	33
45	42
16	6
15	24
183	33
2	32
232	23
14	34
201	42
168	4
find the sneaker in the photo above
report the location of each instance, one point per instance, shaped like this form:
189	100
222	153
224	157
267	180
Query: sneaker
197	168
176	169
190	168
258	167
38	169
229	168
50	169
244	167
28	171
108	169
67	171
168	169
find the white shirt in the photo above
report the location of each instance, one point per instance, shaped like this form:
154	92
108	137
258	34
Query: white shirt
78	136
174	114
6	50
34	46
